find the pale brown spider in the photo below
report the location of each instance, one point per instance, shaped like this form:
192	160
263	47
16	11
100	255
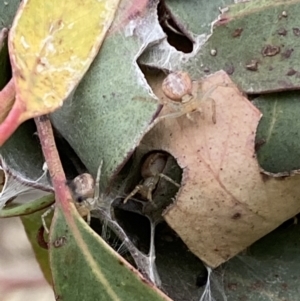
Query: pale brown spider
85	192
184	96
151	172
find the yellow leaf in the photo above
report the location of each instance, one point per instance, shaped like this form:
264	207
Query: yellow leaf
51	46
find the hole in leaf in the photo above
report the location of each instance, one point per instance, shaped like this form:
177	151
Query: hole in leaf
155	180
176	35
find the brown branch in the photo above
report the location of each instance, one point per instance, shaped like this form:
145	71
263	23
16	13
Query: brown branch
57	174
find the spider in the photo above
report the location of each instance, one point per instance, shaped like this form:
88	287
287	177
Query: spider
85	192
184	96
151	172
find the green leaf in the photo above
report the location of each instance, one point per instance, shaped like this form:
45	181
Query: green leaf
196	15
47	60
84	267
257	44
23	157
269	271
194	19
32	223
7	12
111	108
27	208
22	161
278	136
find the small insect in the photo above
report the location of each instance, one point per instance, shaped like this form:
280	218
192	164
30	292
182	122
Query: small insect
151	172
85	192
184	95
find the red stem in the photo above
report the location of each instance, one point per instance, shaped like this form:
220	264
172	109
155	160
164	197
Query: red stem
57	174
9	118
7	93
11	122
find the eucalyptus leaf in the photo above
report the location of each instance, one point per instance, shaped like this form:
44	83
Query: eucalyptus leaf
23	158
23	162
256	43
267	271
278	136
32	223
112	107
47	60
196	16
7	12
84	267
36	204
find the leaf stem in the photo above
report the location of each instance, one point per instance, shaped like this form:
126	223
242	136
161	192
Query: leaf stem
57	174
7	100
7	93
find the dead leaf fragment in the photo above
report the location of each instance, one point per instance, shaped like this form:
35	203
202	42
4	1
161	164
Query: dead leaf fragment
224	204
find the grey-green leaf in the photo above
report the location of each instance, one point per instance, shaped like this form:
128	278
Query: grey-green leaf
23	157
278	136
84	267
112	107
257	44
7	12
196	16
269	271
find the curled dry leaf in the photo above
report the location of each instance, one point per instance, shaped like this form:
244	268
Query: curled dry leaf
224	203
51	48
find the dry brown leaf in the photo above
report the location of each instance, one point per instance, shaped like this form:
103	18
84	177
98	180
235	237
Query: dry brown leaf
224	203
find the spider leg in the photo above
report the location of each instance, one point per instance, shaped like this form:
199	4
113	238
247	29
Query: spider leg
161	175
133	192
175	113
97	185
88	218
189	116
207	95
43	217
149	194
171	115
